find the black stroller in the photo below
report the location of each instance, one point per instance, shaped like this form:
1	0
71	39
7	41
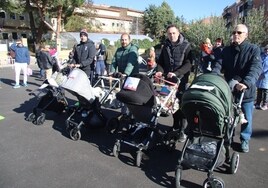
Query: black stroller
212	116
50	97
88	111
145	106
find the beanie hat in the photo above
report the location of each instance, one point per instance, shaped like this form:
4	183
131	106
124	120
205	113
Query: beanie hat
83	32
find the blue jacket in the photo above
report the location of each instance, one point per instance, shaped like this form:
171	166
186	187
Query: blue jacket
242	63
22	54
263	79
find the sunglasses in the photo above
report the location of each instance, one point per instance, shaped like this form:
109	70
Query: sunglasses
237	32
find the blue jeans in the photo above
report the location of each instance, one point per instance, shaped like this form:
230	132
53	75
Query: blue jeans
100	67
246	128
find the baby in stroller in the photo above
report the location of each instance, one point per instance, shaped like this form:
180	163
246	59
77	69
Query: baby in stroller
212	116
146	103
88	111
50	96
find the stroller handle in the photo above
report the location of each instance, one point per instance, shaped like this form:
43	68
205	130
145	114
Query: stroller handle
241	98
166	81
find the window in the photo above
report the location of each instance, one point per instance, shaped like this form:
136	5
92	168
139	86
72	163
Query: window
21	17
14	35
12	16
2	15
5	35
23	35
113	24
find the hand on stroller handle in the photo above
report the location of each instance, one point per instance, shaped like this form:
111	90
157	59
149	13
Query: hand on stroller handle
162	78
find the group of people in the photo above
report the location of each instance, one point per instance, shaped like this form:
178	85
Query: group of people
46	61
240	62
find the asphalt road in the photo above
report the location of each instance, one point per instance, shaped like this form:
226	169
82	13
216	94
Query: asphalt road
44	156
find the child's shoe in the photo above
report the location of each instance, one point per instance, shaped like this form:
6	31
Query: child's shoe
264	107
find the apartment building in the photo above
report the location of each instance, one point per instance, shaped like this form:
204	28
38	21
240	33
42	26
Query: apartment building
13	26
111	19
239	10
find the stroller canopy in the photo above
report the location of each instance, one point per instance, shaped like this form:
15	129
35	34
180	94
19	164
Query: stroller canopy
79	85
142	94
212	94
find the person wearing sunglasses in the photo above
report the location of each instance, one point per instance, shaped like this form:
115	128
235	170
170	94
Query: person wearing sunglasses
241	66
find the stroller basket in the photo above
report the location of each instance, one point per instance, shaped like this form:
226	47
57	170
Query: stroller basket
201	153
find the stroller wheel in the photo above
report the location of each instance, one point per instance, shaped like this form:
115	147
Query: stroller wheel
215	182
112	125
234	163
75	134
178	173
30	117
116	149
139	158
40	119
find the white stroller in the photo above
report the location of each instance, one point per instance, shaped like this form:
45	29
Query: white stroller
88	112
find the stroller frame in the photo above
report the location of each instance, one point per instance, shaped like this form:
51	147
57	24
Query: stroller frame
38	116
222	143
151	126
84	111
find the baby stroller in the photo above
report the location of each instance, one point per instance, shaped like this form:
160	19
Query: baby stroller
51	98
145	103
212	117
88	112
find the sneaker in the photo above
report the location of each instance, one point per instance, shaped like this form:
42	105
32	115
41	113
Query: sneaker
16	86
264	107
182	137
257	106
244	146
25	85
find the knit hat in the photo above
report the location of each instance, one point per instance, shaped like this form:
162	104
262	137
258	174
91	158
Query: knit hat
83	32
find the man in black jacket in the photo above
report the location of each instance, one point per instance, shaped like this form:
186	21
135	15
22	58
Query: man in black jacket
241	64
84	53
175	60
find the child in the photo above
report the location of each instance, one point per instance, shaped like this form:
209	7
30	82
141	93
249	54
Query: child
151	60
262	83
206	55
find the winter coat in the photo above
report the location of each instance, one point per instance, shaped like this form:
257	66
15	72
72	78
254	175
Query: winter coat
109	54
84	54
22	54
126	60
44	59
242	63
176	58
263	79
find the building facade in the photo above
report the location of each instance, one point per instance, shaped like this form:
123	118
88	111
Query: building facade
111	19
239	10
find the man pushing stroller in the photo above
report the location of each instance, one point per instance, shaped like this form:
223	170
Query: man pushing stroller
175	60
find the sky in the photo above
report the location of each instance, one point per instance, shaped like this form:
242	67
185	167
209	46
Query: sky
189	9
